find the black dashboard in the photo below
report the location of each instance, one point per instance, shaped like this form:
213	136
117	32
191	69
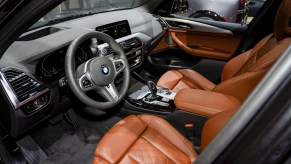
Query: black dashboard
37	59
51	66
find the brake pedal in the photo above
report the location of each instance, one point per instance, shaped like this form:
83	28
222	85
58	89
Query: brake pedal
71	117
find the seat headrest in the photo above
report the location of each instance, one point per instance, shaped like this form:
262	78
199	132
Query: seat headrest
282	24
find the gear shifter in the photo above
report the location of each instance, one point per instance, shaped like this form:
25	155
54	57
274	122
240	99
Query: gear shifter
153	89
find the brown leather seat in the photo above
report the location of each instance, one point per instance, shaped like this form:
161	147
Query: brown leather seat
151	139
241	74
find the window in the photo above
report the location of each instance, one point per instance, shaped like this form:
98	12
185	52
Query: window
71	9
234	11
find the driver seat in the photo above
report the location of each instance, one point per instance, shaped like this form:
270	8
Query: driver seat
151	139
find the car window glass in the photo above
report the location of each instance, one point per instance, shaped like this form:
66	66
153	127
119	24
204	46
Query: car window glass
234	11
77	8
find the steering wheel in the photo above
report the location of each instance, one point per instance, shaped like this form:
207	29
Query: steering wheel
97	74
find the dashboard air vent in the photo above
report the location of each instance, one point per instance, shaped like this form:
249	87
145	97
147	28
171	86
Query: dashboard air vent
162	22
132	44
23	86
128	45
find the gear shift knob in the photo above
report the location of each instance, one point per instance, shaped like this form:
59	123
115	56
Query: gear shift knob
153	89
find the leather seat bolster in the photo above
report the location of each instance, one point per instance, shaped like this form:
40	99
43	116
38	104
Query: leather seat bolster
177	80
206	103
170	79
233	66
240	86
100	161
119	138
197	80
214	125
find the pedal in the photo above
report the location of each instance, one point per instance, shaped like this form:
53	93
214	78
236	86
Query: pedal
31	151
71	117
56	120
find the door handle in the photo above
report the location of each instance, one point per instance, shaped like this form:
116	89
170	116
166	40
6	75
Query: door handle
197	52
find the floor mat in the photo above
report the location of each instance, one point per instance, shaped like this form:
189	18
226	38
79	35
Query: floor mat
31	150
63	145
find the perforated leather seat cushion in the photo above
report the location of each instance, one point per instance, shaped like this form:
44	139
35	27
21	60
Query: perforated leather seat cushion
144	139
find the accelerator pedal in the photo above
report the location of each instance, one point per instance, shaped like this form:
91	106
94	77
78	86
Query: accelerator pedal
71	117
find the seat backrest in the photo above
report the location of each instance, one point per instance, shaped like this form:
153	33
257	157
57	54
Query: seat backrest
241	74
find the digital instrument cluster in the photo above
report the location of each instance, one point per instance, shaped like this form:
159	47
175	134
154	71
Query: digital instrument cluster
53	66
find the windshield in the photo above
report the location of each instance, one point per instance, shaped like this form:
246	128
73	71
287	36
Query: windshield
71	9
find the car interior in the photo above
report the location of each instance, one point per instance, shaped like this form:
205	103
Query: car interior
128	85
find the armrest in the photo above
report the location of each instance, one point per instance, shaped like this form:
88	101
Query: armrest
204	103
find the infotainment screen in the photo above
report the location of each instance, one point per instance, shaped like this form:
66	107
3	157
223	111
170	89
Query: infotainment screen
115	30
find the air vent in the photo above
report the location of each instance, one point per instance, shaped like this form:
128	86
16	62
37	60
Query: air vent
132	44
23	86
163	24
128	45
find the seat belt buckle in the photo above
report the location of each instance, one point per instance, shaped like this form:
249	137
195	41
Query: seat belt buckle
189	129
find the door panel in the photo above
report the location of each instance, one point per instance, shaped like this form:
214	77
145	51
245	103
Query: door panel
194	25
194	45
206	45
174	58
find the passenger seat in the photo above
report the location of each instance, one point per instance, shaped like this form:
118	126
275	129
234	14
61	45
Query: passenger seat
241	74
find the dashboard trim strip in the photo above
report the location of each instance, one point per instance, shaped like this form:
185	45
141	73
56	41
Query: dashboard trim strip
46	90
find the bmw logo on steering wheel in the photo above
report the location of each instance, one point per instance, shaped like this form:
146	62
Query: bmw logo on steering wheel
105	69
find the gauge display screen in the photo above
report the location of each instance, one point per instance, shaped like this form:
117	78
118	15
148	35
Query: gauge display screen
54	64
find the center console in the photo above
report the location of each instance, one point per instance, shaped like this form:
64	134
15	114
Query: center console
131	46
158	99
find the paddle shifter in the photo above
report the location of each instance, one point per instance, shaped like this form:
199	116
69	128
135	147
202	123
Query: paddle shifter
153	89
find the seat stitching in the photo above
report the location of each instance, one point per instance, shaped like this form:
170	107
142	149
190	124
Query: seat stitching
162	121
167	141
129	146
156	147
132	143
133	158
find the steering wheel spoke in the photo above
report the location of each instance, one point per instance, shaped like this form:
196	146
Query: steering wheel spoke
109	92
85	83
119	66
